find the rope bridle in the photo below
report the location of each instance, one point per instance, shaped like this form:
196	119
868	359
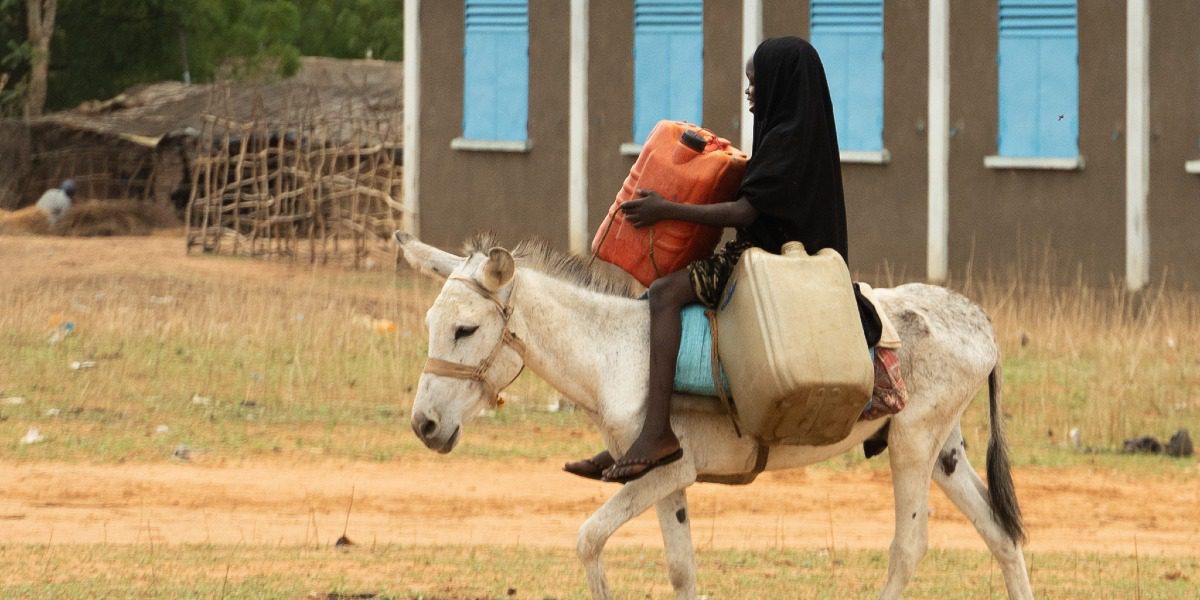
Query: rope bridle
445	368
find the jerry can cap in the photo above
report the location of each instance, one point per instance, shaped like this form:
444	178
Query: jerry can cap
692	139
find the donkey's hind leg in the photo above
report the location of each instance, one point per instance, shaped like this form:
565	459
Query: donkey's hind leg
676	525
632	500
962	485
911	453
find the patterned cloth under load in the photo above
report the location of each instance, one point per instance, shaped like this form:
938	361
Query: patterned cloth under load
693	368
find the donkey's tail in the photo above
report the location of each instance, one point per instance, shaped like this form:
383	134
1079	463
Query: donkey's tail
1001	494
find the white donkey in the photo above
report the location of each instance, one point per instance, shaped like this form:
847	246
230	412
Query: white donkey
591	343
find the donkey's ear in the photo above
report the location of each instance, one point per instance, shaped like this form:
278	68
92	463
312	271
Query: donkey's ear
426	258
498	270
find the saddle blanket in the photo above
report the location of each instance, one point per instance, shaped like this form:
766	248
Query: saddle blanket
693	367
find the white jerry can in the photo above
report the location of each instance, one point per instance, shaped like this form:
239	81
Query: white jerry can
791	342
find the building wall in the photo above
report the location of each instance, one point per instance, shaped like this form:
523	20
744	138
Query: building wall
1174	200
886	205
1060	224
610	103
1055	223
515	194
785	17
724	72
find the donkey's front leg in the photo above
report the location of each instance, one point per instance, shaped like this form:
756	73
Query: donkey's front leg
633	499
675	522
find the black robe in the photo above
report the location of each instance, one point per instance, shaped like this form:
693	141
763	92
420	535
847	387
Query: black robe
794	177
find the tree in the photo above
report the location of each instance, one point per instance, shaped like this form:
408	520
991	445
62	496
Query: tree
102	47
14	57
39	19
352	28
106	46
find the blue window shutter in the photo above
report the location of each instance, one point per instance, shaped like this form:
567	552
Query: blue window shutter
668	63
1038	78
496	70
848	34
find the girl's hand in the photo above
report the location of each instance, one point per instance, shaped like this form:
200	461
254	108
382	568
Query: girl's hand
646	209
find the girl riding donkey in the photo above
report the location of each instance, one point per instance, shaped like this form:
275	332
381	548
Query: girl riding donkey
792	191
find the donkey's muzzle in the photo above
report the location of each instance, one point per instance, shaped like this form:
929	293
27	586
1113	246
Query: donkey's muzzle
430	433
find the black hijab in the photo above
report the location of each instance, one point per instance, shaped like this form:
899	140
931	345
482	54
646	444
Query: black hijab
794	177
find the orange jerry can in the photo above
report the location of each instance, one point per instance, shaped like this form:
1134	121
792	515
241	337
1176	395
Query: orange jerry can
684	163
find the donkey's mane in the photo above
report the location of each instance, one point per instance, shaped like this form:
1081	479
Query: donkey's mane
539	256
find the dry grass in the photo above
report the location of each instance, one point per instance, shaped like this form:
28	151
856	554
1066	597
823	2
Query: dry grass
116	217
25	221
1112	363
92	219
232	355
261	357
494	572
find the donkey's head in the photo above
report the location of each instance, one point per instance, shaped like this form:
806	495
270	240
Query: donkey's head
473	353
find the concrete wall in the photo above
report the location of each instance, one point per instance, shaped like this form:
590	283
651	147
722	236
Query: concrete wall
1056	223
785	17
515	194
610	103
1052	223
886	205
1174	200
724	72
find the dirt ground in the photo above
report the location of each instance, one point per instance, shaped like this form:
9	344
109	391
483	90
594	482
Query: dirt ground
25	258
447	500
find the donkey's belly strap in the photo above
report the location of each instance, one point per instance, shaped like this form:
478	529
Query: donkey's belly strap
760	463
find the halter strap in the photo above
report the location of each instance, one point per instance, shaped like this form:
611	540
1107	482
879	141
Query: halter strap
477	373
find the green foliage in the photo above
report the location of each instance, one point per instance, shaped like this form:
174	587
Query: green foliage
352	28
15	55
102	47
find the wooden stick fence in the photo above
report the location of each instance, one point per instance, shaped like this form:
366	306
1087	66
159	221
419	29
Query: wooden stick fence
322	190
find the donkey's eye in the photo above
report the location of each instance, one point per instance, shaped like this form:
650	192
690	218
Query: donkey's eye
463	331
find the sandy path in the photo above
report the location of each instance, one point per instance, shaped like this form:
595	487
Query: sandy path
446	500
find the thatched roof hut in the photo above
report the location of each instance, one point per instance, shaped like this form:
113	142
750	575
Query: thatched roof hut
139	144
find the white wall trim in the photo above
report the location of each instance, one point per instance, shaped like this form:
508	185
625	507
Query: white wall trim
867	157
1064	163
577	156
631	149
1137	144
470	145
937	264
752	34
1192	166
411	221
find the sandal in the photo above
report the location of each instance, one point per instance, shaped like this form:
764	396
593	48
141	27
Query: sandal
647	466
591	468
